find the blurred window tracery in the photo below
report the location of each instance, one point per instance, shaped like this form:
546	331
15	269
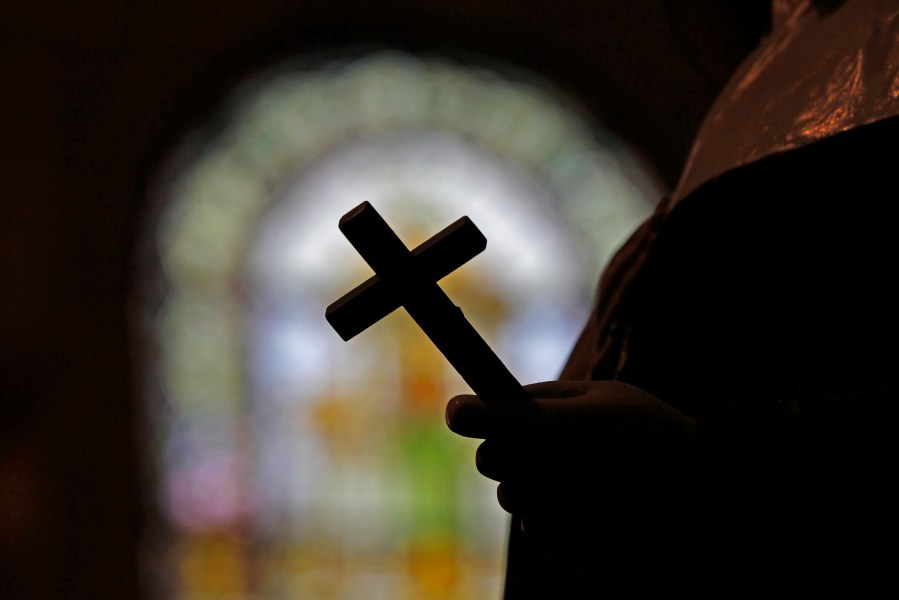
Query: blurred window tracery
287	463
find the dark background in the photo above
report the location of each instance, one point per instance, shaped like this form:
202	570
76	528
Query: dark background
93	94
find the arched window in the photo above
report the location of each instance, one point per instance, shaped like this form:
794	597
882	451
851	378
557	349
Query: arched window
287	463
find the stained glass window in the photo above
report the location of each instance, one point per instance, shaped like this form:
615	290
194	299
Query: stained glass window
287	463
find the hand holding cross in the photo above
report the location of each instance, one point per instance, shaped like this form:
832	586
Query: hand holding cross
409	279
563	450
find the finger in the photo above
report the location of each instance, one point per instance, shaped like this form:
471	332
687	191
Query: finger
534	527
502	459
494	462
468	416
515	498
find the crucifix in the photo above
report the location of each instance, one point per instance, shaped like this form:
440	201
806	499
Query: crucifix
409	279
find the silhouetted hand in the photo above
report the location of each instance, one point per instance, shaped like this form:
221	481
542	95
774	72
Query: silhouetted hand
604	461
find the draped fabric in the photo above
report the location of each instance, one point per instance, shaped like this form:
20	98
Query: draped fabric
758	299
601	350
825	67
764	307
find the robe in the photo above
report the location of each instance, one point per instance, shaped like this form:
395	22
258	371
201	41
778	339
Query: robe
758	299
765	307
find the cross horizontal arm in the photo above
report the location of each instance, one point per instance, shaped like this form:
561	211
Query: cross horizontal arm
433	311
371	301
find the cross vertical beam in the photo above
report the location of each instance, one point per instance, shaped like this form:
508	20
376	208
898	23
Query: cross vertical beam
411	283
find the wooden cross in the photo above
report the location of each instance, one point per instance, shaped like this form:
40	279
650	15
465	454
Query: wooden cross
409	279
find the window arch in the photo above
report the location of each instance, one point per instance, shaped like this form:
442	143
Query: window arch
287	463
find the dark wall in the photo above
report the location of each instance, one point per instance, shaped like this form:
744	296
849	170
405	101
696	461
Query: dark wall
94	93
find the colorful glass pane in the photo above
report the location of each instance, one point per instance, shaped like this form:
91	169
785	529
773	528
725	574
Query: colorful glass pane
291	464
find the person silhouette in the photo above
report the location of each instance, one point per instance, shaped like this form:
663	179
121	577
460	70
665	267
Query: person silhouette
724	422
